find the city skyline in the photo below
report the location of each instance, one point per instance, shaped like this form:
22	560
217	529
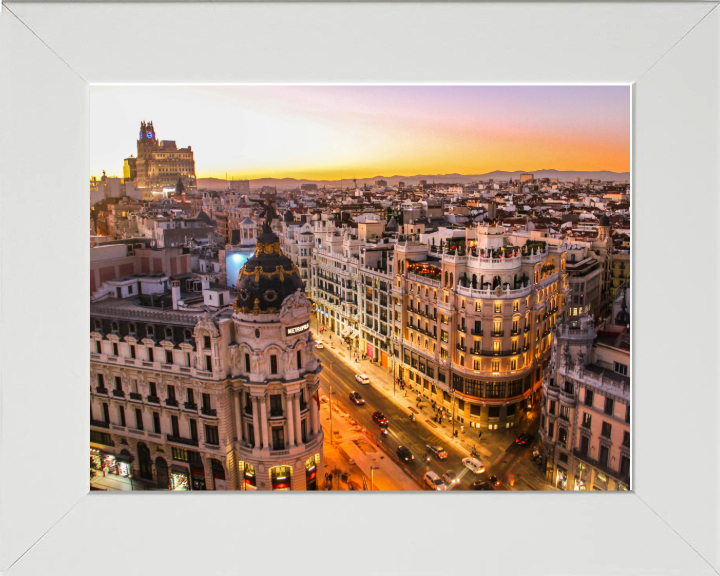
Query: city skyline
333	132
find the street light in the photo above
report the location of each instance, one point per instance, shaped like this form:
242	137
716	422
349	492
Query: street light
372	478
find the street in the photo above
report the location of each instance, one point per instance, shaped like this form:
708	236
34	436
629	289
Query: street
415	435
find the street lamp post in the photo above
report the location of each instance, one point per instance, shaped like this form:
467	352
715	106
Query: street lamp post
372	477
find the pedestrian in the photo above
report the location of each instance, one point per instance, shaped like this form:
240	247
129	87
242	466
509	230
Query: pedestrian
479	434
462	429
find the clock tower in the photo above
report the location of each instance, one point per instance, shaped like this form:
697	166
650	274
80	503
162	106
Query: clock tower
147	139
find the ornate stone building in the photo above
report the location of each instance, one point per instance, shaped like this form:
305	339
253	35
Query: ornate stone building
210	395
585	422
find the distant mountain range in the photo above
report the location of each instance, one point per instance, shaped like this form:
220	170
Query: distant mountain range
288	183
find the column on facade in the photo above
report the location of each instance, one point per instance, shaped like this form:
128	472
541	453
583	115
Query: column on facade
290	401
298	420
256	421
314	419
264	423
238	419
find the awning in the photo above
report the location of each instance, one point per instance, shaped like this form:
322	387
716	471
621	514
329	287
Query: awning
346	331
179	469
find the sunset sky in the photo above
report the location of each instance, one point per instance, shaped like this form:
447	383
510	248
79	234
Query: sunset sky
332	132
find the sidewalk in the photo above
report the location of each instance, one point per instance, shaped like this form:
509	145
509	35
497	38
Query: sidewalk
491	447
354	452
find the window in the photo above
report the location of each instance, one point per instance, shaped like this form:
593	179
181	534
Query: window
98	347
121	412
276	408
211	435
621	368
513	364
193	429
627	413
171	394
208	364
118	383
206	342
565	412
151	356
609	406
587	420
206	401
626	438
493	411
443	335
604	454
273	364
115	349
132	352
498	307
516	306
298	355
476	364
562	436
168	357
552	407
624	465
175	425
443	352
584	445
100	381
138	419
606	429
589	394
478	306
106	412
496	366
278	438
551	429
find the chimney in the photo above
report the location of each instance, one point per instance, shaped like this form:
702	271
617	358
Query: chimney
205	282
175	286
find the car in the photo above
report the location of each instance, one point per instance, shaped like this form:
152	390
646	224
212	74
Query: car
379	417
474	465
433	481
437	451
319	345
404	454
481	485
450	478
493	480
523	439
355	397
362	378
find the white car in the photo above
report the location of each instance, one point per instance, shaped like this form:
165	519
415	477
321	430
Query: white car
362	378
474	465
450	478
433	481
319	345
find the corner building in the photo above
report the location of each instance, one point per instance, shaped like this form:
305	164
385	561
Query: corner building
477	320
203	398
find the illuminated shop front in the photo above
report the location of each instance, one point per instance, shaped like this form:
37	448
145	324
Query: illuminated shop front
179	478
280	477
218	473
561	479
311	467
248	475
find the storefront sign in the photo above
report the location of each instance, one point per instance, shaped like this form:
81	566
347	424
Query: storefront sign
292	330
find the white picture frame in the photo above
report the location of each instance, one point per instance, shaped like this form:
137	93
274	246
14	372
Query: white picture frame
49	56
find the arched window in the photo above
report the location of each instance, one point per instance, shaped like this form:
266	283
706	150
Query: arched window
150	331
132	328
115	326
168	333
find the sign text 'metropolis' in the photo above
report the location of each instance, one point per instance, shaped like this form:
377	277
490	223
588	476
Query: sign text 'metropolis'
292	330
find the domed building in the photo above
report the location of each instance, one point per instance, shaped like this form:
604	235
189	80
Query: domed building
281	445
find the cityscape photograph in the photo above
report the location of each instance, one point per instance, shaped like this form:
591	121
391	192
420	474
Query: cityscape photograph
360	288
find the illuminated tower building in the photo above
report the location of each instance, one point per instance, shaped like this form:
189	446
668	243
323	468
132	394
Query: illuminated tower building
161	163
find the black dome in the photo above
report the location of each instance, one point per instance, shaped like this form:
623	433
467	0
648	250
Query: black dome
268	277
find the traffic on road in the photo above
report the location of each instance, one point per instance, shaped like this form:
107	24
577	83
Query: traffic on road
432	459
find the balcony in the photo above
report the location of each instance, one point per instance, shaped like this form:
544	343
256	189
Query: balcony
181	440
153	399
476	332
135	396
497	333
100	424
515	332
190	406
526	329
101	390
462	329
461	348
118	393
171	402
213	412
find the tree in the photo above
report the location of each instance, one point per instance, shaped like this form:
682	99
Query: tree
179	187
